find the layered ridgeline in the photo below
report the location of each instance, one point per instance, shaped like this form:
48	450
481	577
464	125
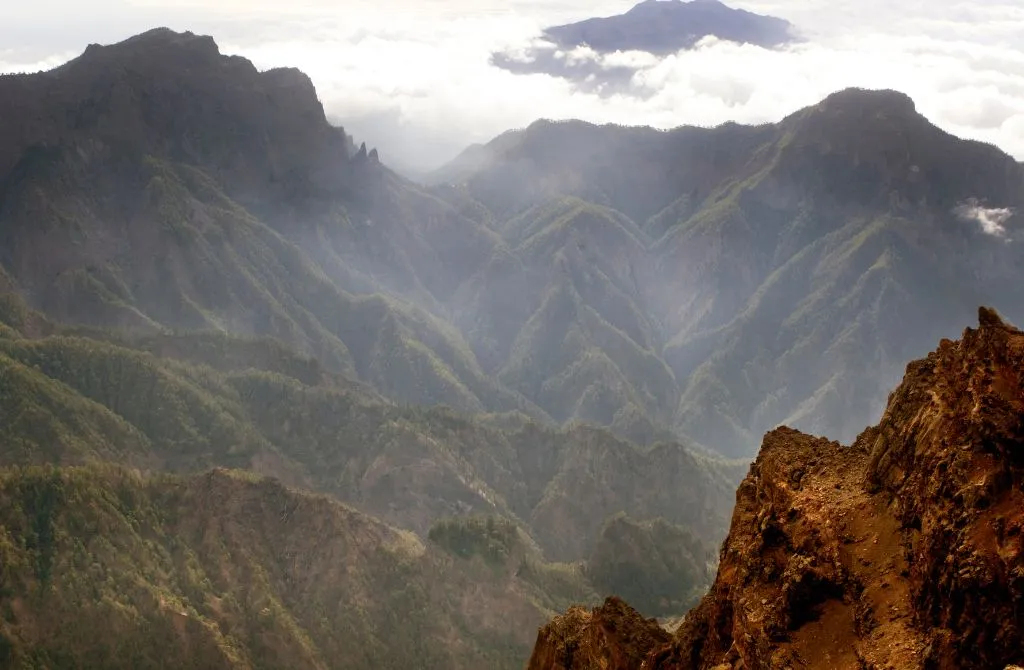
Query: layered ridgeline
482	527
903	550
157	184
702	282
723	281
197	271
104	568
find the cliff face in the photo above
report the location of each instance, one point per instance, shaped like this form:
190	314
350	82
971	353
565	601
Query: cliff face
903	550
949	452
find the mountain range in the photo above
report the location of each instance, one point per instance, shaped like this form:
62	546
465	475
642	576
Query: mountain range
214	436
705	283
779	273
222	440
237	352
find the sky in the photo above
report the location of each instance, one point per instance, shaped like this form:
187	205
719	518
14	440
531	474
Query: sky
413	77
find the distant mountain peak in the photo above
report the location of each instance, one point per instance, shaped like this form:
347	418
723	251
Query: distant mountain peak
667	26
157	41
856	99
857	107
880	147
676	5
164	35
658	27
174	95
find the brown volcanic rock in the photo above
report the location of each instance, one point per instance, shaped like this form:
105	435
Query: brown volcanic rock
810	575
950	453
611	637
904	550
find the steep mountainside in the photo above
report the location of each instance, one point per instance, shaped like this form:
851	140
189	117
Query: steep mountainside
501	495
198	272
158	184
786	269
904	550
707	283
105	568
188	402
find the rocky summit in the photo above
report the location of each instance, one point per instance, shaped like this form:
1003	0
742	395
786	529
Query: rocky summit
903	550
611	636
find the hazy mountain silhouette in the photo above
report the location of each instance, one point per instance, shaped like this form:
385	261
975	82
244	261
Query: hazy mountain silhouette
783	271
663	27
658	27
198	272
709	282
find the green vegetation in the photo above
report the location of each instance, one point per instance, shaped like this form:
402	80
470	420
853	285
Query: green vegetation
205	274
494	539
44	421
559	585
792	267
103	567
103	544
75	400
660	568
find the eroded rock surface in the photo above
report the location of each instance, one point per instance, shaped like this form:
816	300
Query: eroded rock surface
611	637
903	550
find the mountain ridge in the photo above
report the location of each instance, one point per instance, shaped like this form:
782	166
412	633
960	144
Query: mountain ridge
819	210
90	270
85	411
198	272
651	276
225	570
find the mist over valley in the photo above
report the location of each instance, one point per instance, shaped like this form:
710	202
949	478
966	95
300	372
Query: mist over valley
408	357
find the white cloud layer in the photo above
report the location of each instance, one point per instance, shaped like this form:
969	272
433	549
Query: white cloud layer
414	77
991	220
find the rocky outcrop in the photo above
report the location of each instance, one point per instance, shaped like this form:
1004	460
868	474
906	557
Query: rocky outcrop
611	637
903	550
812	573
949	454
